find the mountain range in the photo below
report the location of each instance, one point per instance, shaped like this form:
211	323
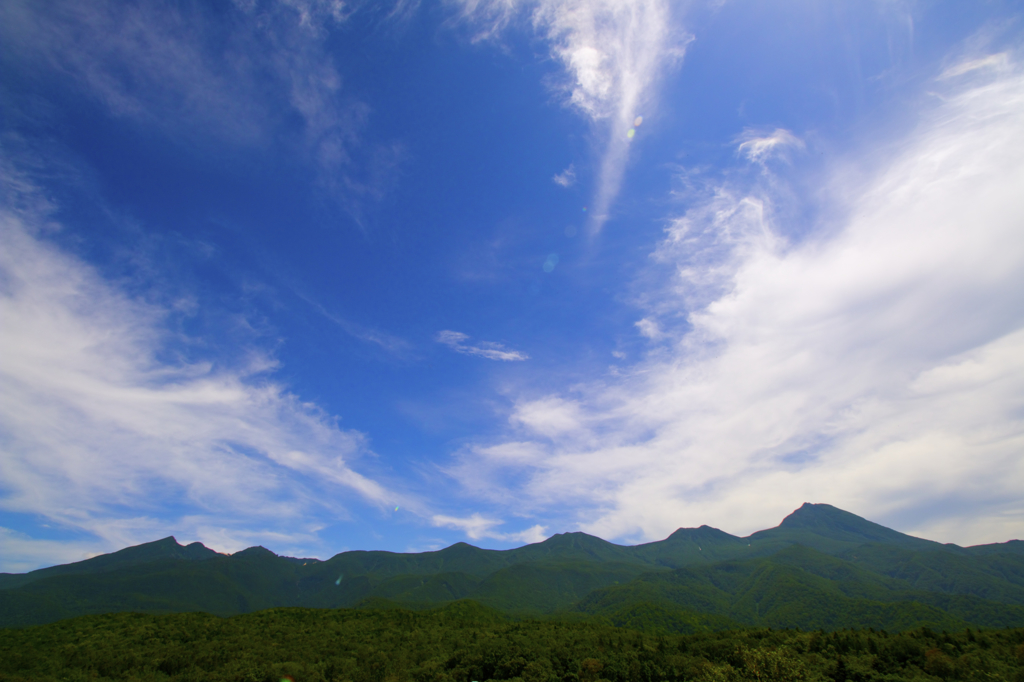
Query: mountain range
821	568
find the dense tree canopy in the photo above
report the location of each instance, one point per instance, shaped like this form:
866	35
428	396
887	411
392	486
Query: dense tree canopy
465	642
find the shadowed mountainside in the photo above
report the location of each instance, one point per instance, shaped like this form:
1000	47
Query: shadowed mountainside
820	568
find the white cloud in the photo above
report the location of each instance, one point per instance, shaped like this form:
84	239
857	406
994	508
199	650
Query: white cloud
552	417
612	51
531	535
649	328
477	527
566	178
878	365
759	147
99	433
484	349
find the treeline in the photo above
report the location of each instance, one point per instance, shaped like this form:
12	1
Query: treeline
465	642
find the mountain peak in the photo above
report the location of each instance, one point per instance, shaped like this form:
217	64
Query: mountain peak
574	545
257	551
831	522
570	536
811	514
828	519
704	532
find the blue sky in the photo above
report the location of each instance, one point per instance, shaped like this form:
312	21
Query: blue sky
322	276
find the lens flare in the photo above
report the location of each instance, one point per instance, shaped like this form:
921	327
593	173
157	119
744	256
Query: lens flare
630	133
550	262
637	121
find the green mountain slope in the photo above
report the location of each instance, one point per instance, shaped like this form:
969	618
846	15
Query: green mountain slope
695	546
801	587
821	567
168	548
543	587
998	577
256	579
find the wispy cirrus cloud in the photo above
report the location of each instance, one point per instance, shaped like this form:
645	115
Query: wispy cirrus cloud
759	146
613	53
241	78
997	62
878	366
104	432
457	341
388	342
152	63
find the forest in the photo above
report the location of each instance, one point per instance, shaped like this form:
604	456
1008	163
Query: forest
466	642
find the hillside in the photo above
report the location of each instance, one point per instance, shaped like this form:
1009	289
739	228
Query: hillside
821	568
